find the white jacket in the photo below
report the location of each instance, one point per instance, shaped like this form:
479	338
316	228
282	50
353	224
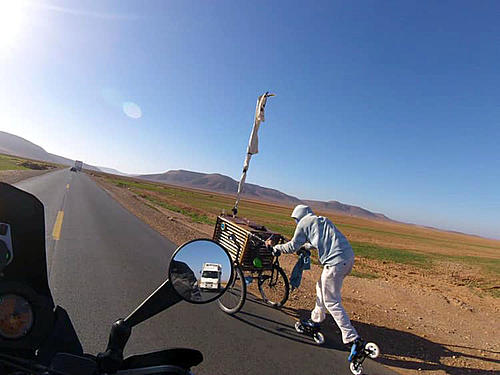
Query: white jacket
320	233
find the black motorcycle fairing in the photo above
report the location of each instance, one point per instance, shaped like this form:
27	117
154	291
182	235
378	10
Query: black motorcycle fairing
180	357
25	215
63	339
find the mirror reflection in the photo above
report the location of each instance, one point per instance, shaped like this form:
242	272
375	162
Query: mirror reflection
200	271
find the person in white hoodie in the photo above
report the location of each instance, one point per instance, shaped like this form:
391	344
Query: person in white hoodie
336	255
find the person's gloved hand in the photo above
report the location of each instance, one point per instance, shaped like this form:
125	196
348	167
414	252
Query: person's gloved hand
304	251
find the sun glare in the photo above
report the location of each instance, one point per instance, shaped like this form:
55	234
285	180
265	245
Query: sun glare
12	19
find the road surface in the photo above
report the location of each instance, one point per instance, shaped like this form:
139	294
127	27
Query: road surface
103	262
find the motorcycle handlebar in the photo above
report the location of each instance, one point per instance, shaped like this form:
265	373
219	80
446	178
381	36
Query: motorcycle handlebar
68	364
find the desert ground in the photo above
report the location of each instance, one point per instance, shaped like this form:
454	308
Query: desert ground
429	298
14	169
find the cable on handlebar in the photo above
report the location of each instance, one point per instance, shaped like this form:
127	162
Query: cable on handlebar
27	365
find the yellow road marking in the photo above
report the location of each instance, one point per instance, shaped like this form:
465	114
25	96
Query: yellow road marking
67	187
56	233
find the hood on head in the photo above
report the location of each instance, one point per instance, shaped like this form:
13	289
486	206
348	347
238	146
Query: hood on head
300	211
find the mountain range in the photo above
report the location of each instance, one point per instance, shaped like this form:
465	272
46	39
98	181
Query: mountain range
221	184
214	182
13	145
226	185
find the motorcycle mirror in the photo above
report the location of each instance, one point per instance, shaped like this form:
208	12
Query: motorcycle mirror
200	271
187	261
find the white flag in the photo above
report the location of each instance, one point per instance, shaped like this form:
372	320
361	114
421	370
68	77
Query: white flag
253	144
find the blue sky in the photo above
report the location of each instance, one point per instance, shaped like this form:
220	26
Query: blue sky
390	105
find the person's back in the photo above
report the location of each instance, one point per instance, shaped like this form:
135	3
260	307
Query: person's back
333	247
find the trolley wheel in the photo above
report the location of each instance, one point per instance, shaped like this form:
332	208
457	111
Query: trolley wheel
319	338
372	349
274	287
356	369
299	327
234	298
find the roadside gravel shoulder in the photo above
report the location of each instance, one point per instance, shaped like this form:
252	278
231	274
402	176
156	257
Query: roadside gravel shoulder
13	176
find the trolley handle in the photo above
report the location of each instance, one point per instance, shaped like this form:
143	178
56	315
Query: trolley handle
269	248
264	241
302	250
257	237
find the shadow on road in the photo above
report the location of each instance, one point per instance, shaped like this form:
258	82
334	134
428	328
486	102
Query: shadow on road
400	349
278	326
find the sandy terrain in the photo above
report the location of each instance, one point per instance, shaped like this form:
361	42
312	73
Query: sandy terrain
426	321
422	322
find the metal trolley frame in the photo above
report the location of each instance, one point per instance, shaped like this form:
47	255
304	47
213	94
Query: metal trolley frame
253	260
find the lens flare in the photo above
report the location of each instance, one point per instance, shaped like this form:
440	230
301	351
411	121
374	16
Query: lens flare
132	110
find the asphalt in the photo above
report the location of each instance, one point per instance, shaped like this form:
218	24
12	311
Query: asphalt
107	261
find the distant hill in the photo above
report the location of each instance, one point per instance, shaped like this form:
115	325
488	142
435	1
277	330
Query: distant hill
345	209
113	171
220	184
223	184
14	145
215	182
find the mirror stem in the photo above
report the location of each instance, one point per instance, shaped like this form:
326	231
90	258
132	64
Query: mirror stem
161	299
110	361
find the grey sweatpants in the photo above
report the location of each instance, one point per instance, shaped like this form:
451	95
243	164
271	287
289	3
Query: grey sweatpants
328	298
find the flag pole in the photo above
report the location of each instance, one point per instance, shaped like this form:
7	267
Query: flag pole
253	145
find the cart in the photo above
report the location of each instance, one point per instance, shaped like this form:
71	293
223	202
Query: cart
253	261
245	242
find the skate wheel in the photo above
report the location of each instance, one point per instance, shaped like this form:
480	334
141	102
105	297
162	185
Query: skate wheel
299	328
373	350
356	369
319	338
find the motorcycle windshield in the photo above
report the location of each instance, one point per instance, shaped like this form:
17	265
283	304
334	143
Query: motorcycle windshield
25	215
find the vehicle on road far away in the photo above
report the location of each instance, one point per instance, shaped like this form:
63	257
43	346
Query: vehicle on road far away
211	277
78	165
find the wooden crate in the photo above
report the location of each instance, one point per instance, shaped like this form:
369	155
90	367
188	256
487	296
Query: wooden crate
249	238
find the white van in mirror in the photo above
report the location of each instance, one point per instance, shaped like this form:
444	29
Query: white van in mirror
211	277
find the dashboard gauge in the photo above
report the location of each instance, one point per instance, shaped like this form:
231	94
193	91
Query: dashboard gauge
16	316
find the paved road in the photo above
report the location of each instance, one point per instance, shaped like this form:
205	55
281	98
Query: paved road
106	261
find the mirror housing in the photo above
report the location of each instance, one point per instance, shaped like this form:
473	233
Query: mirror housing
200	271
